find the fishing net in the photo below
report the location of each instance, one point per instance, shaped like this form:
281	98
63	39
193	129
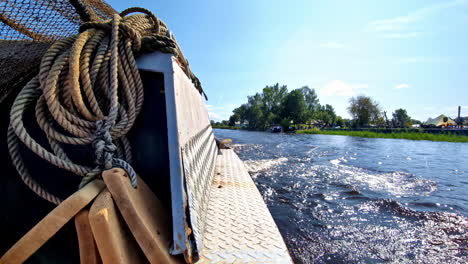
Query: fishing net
29	27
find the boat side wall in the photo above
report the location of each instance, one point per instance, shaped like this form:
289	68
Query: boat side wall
162	62
192	152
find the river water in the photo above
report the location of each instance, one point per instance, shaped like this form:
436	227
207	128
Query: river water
339	199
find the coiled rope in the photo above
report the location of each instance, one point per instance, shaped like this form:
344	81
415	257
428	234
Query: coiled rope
89	92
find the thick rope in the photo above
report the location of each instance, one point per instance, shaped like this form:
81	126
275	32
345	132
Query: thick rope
88	93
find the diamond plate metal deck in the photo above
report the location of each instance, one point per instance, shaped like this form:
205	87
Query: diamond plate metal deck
239	228
198	159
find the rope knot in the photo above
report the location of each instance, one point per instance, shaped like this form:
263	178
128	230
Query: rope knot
103	145
104	149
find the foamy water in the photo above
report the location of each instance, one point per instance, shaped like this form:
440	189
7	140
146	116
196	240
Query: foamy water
261	165
351	200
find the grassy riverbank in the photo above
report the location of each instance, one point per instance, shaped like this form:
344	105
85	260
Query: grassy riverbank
398	135
225	127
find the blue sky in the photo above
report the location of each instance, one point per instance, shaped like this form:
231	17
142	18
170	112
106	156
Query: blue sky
408	54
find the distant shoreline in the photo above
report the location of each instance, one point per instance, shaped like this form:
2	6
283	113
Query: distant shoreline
445	137
225	127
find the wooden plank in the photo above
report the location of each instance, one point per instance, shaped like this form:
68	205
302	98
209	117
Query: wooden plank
115	243
52	223
89	253
144	214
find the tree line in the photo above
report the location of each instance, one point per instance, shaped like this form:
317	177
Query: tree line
367	112
275	105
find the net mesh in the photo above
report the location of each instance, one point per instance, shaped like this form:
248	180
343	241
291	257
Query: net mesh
29	27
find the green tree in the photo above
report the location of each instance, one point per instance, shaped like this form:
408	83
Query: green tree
254	113
415	121
310	98
350	123
380	121
325	114
294	107
331	114
262	109
241	111
339	121
273	97
401	118
364	110
285	123
233	119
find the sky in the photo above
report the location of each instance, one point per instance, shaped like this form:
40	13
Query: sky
403	54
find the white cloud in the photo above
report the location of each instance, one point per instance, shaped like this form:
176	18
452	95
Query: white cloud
214	116
406	60
394	24
401	86
402	35
340	88
400	27
332	45
209	107
219	113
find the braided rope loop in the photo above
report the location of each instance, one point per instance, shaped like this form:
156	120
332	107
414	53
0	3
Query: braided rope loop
88	93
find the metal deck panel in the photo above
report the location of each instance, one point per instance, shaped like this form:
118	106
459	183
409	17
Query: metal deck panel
239	228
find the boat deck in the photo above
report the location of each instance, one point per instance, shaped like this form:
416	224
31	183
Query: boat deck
239	227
